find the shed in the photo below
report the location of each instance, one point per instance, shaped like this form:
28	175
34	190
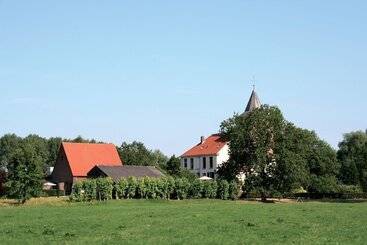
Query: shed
118	172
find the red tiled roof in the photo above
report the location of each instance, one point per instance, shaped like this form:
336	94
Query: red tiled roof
82	157
210	147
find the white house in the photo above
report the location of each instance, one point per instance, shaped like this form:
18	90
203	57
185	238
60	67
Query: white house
204	158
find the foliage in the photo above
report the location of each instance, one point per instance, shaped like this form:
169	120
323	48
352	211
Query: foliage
90	189
24	178
233	190
131	187
209	189
181	188
173	166
223	190
8	145
77	194
253	141
196	188
276	156
121	188
136	153
104	188
352	155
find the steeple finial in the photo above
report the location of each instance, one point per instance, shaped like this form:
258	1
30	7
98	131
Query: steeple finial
253	83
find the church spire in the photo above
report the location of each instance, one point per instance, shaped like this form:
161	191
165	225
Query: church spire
254	101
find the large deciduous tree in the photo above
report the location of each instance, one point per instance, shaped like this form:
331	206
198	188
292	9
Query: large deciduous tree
352	155
253	142
24	179
276	156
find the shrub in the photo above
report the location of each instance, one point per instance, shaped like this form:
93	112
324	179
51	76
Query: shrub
181	188
104	188
121	188
233	190
214	187
196	188
170	187
209	189
90	189
151	188
131	189
141	188
77	194
223	190
162	188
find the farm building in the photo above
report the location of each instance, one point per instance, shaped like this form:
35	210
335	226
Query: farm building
118	172
75	160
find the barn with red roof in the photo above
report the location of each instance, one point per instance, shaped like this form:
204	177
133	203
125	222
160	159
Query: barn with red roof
75	160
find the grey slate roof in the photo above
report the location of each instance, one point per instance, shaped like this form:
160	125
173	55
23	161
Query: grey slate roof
253	103
118	172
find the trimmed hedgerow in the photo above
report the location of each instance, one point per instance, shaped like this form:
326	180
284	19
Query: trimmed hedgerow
121	188
196	188
104	187
152	188
90	189
131	188
233	190
181	188
209	189
223	190
77	194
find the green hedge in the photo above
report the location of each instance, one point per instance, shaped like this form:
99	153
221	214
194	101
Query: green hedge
152	188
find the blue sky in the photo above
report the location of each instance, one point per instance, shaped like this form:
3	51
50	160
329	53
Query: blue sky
166	72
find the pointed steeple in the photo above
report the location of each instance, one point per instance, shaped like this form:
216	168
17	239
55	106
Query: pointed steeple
253	103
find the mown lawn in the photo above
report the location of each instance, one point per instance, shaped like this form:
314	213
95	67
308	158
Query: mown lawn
184	222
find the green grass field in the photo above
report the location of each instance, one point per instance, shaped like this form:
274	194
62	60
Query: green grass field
184	222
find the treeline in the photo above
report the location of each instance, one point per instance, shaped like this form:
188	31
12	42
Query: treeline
135	153
153	188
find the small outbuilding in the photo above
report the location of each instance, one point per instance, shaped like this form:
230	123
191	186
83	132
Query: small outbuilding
118	172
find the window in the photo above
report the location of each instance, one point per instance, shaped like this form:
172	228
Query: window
192	163
211	175
185	162
204	162
211	162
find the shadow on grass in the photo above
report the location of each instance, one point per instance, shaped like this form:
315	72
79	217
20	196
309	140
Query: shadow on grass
337	200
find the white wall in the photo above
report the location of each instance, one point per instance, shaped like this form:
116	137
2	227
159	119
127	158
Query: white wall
222	156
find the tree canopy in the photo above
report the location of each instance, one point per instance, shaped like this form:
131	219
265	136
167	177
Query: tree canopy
24	178
136	153
352	155
275	155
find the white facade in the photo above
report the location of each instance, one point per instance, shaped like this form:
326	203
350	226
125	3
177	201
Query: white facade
206	165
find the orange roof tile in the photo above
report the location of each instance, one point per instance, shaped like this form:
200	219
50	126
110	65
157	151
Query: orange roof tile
82	157
210	147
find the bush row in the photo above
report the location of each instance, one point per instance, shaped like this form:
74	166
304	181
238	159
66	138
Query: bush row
152	188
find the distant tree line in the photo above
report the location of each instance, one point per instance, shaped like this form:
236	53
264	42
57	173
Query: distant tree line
279	158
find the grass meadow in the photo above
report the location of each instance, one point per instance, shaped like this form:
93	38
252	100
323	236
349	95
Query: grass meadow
57	221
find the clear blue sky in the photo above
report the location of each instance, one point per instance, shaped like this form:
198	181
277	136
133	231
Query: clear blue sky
166	72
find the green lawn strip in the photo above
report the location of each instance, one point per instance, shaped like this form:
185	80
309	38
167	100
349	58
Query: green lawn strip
183	222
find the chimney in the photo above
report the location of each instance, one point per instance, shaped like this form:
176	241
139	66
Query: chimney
202	139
